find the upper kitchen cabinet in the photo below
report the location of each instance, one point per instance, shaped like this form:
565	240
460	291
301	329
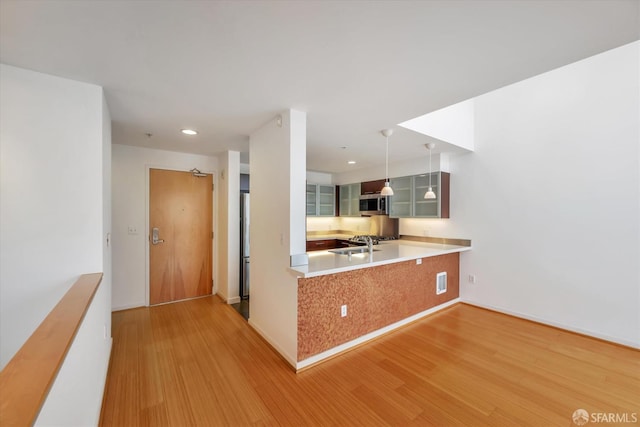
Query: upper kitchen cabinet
350	199
401	201
408	199
321	200
312	198
372	187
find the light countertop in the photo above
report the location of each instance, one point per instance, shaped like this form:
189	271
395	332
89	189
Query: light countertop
329	236
325	262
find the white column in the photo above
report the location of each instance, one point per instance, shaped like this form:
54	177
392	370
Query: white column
228	239
278	174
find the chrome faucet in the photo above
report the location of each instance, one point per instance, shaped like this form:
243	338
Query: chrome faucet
369	241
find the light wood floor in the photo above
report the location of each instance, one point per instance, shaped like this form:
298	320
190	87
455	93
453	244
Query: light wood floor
199	363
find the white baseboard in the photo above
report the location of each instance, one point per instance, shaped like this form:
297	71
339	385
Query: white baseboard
127	307
287	357
615	340
371	335
234	300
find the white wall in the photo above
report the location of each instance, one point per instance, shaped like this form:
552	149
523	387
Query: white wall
278	160
319	178
229	227
51	206
453	124
130	193
53	220
551	198
106	216
75	398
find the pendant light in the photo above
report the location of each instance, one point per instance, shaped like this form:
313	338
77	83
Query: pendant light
430	194
386	190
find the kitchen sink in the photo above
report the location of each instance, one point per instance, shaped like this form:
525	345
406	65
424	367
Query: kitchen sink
352	250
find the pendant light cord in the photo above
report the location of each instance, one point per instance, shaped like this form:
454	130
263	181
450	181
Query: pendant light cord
430	168
386	171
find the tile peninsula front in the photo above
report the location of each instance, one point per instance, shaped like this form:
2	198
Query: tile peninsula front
382	290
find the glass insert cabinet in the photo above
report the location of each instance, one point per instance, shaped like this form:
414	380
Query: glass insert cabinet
321	200
408	196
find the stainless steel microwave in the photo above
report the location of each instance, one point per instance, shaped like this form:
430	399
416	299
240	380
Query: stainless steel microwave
374	204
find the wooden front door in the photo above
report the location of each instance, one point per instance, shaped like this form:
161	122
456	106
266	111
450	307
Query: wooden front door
180	211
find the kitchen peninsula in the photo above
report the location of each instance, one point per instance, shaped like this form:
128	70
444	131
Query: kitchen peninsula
346	300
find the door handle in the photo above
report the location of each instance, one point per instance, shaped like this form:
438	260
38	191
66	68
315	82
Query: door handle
155	236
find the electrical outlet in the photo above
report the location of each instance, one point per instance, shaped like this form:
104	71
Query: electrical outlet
472	278
132	229
343	311
418	261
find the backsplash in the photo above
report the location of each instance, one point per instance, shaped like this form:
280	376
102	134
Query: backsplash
426	227
319	223
357	225
419	227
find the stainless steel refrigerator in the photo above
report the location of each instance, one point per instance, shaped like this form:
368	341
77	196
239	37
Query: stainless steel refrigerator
244	246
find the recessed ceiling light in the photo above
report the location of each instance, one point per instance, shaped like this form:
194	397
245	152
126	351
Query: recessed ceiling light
352	162
189	132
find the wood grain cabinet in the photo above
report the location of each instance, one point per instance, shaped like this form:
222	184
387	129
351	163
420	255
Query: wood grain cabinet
321	245
408	196
372	187
324	244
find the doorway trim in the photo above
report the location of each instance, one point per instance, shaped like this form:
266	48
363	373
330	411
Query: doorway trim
214	218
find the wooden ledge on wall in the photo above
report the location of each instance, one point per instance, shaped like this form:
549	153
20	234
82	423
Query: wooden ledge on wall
25	381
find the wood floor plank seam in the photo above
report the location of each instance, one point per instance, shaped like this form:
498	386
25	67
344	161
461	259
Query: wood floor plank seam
199	363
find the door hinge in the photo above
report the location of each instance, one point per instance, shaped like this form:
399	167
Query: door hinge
213	187
212	234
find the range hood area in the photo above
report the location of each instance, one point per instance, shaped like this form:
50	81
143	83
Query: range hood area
382	225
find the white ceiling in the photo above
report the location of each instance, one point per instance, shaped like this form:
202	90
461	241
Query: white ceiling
227	67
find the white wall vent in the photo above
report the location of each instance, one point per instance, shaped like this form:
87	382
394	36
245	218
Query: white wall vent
441	283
